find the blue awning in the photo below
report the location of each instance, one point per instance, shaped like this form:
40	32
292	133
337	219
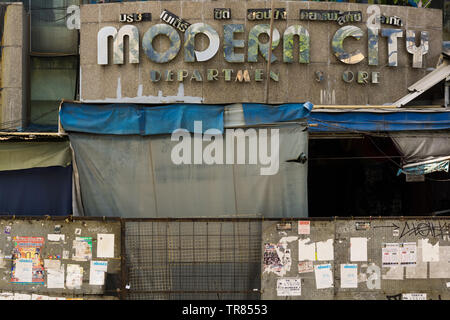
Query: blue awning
378	121
125	119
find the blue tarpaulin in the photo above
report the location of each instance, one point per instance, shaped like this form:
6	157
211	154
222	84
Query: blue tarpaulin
36	191
125	119
378	121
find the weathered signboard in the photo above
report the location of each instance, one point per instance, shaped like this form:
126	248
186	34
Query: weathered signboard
217	51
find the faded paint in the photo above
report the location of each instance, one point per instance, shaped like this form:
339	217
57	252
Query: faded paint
417	52
229	43
254	46
303	44
392	35
190	54
118	38
169	54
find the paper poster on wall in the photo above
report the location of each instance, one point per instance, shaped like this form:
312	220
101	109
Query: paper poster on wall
305	267
55	278
6	296
430	253
289	287
271	260
306	250
325	250
52	264
441	269
22	296
390	254
408	253
358	249
324	276
56	237
38	297
27	249
82	249
304	227
74	278
414	296
419	270
105	245
97	272
394	273
349	276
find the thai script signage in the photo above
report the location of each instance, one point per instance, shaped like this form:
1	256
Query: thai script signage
232	51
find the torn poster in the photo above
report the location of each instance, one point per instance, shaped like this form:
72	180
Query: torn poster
6	296
97	272
82	249
271	260
28	248
284	226
65	254
306	250
305	267
349	276
430	253
418	271
74	278
52	264
22	296
358	249
56	298
56	237
55	278
408	253
394	273
324	276
105	245
289	287
325	250
390	254
414	296
441	269
38	297
304	227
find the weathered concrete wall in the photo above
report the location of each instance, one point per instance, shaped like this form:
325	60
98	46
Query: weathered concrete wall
14	68
297	82
54	250
374	281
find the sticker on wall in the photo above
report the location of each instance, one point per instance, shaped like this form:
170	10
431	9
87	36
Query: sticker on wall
362	226
56	237
304	227
414	296
305	267
57	229
77	231
7	229
349	276
358	249
289	287
323	276
284	226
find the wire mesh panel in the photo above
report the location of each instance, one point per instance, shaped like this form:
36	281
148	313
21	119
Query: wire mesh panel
193	259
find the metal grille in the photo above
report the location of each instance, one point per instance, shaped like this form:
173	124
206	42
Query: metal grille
193	259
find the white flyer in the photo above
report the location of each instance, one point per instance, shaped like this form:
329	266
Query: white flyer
358	249
349	276
430	253
325	250
56	237
324	276
304	227
390	254
74	278
22	296
289	287
24	270
55	278
305	267
6	296
97	272
52	264
408	253
306	250
105	245
38	297
414	296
